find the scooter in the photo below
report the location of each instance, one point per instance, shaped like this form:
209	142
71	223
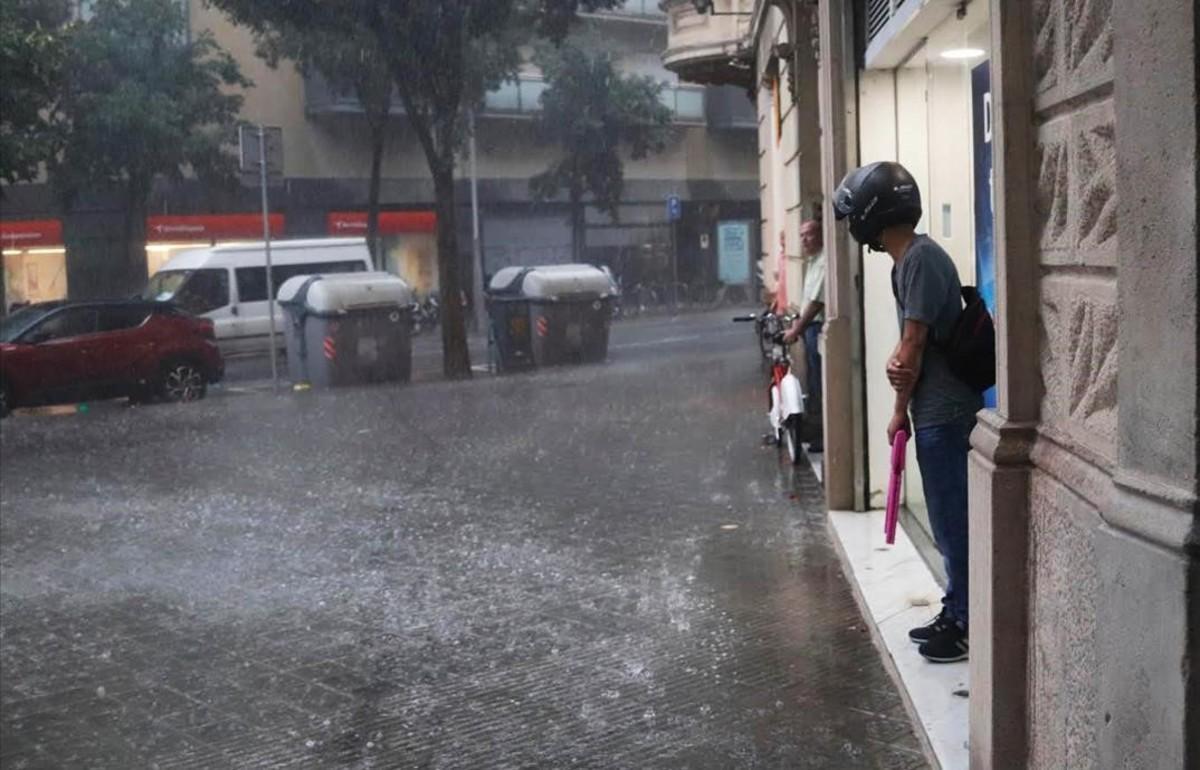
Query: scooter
426	314
785	397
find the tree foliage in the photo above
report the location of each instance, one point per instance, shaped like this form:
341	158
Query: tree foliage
444	56
592	112
32	51
142	99
344	51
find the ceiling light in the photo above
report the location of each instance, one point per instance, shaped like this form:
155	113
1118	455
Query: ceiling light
963	53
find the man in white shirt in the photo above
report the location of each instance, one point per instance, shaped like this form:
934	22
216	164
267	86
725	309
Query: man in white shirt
812	316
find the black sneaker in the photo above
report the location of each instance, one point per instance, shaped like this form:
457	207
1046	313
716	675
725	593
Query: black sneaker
924	633
950	645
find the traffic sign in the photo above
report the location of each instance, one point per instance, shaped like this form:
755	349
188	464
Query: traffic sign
250	154
674	208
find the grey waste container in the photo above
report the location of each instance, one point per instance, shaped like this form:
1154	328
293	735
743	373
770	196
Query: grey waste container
548	315
347	329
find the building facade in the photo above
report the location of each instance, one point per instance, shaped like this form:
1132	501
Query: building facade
1056	147
708	164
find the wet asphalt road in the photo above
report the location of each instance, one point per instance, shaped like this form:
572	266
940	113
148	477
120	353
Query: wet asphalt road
584	567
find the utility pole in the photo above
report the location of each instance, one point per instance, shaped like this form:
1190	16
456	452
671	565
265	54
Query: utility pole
255	159
477	289
266	219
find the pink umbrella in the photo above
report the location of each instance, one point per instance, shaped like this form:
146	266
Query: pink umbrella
899	444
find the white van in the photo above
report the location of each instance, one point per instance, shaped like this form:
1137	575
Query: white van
228	283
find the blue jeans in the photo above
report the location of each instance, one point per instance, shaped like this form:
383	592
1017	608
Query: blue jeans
942	454
812	359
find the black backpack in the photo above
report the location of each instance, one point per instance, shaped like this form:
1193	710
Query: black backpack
971	347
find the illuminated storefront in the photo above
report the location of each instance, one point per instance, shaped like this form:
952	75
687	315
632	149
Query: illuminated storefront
35	261
408	240
167	235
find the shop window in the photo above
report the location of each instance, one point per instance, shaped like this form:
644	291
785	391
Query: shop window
205	291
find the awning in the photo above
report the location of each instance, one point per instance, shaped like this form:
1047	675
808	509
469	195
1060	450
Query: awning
28	233
211	227
354	223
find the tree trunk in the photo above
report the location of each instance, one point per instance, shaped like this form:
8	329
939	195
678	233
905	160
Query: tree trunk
456	358
133	274
378	142
578	227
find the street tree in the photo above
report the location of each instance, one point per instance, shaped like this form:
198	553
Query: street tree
444	55
346	54
143	99
593	114
32	51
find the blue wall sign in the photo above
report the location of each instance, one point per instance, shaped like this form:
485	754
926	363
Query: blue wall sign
985	254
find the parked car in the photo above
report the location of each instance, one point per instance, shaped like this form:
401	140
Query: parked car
63	352
228	283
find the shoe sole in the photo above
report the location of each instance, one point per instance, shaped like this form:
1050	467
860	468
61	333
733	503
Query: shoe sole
954	659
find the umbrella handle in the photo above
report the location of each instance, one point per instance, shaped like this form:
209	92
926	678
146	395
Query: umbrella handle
892	513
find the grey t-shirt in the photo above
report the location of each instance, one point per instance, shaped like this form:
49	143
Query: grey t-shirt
927	290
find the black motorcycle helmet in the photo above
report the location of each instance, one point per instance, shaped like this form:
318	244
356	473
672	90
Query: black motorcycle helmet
876	196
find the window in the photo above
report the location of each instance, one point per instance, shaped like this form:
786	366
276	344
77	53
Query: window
204	291
72	322
252	284
16	322
163	285
121	317
252	281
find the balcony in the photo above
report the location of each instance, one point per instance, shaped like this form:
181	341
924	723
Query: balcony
710	49
645	11
730	107
513	99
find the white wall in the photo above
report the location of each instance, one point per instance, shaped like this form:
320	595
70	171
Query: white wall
920	116
877	137
779	167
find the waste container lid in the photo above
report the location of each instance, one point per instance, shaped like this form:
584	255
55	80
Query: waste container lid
548	281
508	280
342	292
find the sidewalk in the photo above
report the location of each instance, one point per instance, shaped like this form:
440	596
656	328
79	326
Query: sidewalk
896	591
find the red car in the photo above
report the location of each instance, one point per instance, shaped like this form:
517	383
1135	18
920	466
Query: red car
63	352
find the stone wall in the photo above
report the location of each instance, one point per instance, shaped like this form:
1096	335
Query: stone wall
1079	358
1112	491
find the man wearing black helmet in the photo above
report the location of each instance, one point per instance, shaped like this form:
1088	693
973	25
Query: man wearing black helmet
882	205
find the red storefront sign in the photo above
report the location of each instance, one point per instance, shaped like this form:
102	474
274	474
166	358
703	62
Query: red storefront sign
354	223
27	233
211	227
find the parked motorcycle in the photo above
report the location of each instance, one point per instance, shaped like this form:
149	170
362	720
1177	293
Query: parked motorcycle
426	314
785	397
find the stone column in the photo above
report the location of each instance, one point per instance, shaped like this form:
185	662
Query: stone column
1084	479
1147	626
845	451
999	464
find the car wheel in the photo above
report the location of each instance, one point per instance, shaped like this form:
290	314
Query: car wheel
4	407
182	381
